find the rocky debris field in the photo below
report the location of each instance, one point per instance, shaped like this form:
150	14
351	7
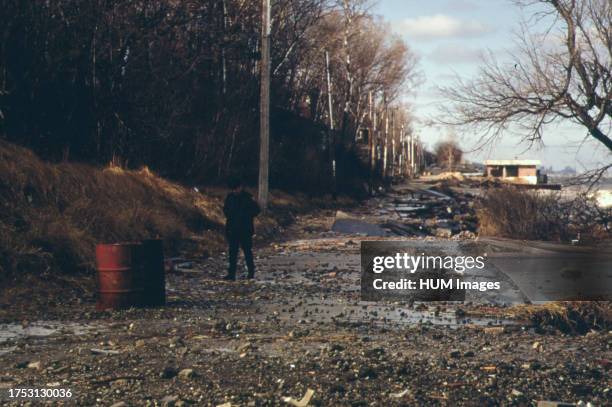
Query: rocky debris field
191	360
417	210
299	335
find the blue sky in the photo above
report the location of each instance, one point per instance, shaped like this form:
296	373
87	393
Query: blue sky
449	36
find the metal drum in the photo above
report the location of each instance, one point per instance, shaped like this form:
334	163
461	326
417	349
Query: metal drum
120	283
154	276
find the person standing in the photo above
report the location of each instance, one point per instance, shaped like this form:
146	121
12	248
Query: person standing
240	209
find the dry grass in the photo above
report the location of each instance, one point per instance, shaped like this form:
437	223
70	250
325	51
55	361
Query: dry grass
516	213
520	214
575	317
53	214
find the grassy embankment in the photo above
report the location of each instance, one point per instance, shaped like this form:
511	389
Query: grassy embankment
52	216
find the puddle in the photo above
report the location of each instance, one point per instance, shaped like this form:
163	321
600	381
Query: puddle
11	332
356	226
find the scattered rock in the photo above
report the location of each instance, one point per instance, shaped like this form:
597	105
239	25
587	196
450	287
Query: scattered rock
494	330
34	365
245	347
582	389
374	352
365	362
444	233
168	373
186	374
301	403
169	401
367	372
342	215
400	394
105	352
119	383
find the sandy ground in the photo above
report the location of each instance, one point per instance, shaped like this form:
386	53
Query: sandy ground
300	325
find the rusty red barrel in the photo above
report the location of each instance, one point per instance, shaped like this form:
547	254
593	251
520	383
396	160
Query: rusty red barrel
153	272
119	275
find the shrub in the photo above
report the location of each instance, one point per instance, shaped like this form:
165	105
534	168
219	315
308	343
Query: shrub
517	213
573	317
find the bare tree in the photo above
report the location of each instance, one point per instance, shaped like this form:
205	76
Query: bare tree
448	154
564	74
175	84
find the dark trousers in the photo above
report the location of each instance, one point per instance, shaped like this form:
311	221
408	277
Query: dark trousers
235	242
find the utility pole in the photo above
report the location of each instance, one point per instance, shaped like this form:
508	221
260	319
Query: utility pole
332	138
393	111
418	156
329	92
402	148
386	148
372	144
412	154
264	108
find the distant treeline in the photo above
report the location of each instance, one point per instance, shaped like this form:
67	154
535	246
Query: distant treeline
175	84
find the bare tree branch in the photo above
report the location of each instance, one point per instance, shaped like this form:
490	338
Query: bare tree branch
563	74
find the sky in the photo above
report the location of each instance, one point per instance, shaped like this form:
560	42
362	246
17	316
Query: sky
450	37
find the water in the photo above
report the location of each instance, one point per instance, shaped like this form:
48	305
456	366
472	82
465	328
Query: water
39	329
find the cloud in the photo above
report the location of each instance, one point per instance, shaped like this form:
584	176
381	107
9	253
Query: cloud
441	26
455	54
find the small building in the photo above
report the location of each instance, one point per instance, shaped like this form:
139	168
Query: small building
514	171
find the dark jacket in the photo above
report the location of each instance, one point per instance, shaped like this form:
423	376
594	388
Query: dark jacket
239	210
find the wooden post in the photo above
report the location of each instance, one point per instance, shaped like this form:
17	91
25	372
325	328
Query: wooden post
264	108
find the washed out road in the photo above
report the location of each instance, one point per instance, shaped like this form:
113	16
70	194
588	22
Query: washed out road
301	325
